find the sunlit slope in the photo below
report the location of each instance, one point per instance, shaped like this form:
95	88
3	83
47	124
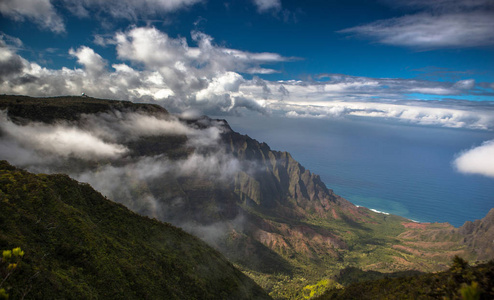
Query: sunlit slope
460	281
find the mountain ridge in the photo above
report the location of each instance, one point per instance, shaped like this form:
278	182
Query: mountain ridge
264	211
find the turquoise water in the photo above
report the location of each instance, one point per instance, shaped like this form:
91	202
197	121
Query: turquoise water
395	168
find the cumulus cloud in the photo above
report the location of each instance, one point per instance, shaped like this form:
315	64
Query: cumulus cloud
223	92
156	50
438	24
207	78
153	67
11	64
41	12
478	160
93	63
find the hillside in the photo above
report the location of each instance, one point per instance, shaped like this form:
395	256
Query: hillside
460	281
79	245
270	216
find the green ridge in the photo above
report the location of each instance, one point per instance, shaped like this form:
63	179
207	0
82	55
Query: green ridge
79	245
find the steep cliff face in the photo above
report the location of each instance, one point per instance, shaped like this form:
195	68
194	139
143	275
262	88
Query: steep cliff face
479	236
280	183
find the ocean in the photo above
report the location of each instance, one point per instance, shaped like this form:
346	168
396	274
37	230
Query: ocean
396	168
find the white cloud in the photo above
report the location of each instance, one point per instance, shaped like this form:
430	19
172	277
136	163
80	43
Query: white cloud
207	79
11	64
96	137
434	24
157	67
430	31
93	63
220	87
10	40
47	148
118	126
352	88
465	84
44	13
124	127
267	5
119	182
261	71
478	160
126	9
41	12
417	112
60	140
433	91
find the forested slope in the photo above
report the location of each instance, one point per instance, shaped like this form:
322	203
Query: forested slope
79	245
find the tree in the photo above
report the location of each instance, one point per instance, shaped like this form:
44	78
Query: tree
8	264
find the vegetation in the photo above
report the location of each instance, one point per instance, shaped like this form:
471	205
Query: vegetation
460	281
79	245
69	108
311	291
8	265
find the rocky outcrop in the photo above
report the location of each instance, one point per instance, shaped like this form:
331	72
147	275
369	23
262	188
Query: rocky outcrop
277	181
479	236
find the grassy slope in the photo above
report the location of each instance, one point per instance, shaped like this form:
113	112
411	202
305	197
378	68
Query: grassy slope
80	245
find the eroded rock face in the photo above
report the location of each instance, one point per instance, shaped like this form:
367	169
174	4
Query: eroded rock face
479	236
279	180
